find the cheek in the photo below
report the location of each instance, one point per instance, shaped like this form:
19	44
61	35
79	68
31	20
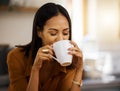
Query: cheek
47	40
66	37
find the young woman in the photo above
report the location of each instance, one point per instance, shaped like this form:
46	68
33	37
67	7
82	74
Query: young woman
31	68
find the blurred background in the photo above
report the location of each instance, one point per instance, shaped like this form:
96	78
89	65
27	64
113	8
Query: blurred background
95	28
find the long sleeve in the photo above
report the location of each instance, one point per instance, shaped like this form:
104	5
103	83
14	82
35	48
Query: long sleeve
16	68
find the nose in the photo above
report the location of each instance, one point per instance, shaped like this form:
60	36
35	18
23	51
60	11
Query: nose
60	37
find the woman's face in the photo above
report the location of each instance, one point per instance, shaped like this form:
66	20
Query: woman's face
55	29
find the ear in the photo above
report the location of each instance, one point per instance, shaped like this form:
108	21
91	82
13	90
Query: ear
39	33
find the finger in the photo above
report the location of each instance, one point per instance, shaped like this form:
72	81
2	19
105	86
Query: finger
44	56
39	62
74	49
75	52
74	44
47	49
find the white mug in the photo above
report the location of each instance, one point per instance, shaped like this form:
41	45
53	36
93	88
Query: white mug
61	51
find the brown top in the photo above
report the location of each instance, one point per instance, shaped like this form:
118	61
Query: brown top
53	77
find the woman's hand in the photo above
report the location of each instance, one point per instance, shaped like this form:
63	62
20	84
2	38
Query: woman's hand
77	55
78	62
44	54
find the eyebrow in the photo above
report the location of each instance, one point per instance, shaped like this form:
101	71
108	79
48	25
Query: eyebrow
57	29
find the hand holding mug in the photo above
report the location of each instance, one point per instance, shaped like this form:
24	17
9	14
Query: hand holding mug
77	55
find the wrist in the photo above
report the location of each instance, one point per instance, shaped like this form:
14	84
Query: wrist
37	65
78	75
35	68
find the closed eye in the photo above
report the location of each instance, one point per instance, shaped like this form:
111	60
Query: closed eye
53	34
65	33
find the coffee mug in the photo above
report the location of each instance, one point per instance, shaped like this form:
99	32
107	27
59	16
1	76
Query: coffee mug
61	51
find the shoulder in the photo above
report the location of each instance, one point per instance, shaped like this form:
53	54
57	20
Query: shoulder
18	63
15	50
15	55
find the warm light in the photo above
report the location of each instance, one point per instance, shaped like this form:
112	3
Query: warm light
77	21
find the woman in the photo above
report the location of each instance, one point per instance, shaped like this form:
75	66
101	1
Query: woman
31	68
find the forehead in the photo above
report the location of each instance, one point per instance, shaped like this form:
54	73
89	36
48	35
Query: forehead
57	20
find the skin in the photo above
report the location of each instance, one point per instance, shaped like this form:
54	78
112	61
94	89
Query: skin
55	29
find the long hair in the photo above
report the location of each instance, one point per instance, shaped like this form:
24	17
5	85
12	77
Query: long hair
43	14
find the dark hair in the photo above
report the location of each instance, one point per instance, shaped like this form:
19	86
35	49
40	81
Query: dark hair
43	14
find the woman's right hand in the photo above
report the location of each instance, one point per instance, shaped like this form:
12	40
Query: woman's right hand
44	54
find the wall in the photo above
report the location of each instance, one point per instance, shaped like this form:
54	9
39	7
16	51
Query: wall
33	3
15	27
108	22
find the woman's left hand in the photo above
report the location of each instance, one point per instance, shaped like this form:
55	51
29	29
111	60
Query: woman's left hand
77	55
